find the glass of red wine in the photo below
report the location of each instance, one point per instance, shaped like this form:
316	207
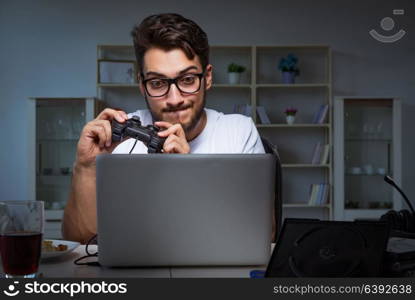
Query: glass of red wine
21	230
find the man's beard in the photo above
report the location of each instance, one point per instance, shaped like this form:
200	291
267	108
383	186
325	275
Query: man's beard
193	121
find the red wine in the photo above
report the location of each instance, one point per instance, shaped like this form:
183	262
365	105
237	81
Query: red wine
20	252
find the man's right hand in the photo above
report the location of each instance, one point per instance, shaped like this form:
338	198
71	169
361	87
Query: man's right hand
96	137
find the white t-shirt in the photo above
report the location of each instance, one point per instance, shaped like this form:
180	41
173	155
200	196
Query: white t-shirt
232	133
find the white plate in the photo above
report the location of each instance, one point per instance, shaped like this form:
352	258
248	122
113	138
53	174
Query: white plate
71	246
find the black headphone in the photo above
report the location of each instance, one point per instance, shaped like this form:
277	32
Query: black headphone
402	223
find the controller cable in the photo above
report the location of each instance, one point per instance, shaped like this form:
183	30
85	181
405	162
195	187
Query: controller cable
133	146
78	261
93	241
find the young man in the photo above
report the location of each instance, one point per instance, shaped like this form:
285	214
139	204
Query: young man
174	74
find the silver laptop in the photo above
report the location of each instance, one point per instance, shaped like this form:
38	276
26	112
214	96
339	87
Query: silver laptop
184	210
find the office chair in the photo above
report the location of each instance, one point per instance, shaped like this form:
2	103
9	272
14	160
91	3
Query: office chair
272	149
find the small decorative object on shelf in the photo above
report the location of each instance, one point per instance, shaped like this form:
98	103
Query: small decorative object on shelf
47	171
289	69
290	115
381	171
355	170
65	170
234	73
368	168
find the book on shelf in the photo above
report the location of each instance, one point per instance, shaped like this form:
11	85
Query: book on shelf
320	115
325	154
318	194
243	109
313	190
248	110
316	154
263	117
320	154
325	199
237	109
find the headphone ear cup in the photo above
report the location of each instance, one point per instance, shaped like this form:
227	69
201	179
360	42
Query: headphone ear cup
412	223
397	224
391	218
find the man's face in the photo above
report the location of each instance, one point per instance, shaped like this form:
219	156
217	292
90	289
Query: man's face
175	106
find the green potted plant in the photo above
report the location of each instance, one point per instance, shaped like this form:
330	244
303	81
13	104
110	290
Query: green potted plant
290	115
234	73
289	68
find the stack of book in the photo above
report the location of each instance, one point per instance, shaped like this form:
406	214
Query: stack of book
243	109
319	194
320	154
262	114
321	114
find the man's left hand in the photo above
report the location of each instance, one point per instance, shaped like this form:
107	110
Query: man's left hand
175	138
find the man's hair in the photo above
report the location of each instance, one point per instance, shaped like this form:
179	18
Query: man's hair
168	32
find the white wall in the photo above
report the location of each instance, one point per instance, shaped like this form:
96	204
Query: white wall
48	48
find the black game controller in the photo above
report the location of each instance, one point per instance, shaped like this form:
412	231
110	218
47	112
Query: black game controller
133	128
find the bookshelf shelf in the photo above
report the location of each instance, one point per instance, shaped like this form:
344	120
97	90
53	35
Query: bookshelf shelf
223	85
293	86
117	85
301	205
305	166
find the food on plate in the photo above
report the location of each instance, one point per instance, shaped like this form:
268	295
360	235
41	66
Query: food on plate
47	246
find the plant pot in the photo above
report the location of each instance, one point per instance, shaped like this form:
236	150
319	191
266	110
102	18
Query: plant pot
290	119
234	77
288	77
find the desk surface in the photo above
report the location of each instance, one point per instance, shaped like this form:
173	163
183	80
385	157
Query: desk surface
64	267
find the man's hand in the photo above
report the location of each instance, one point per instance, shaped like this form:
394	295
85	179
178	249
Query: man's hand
96	137
175	138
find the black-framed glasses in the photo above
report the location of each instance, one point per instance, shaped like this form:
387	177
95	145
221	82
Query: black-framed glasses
187	84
